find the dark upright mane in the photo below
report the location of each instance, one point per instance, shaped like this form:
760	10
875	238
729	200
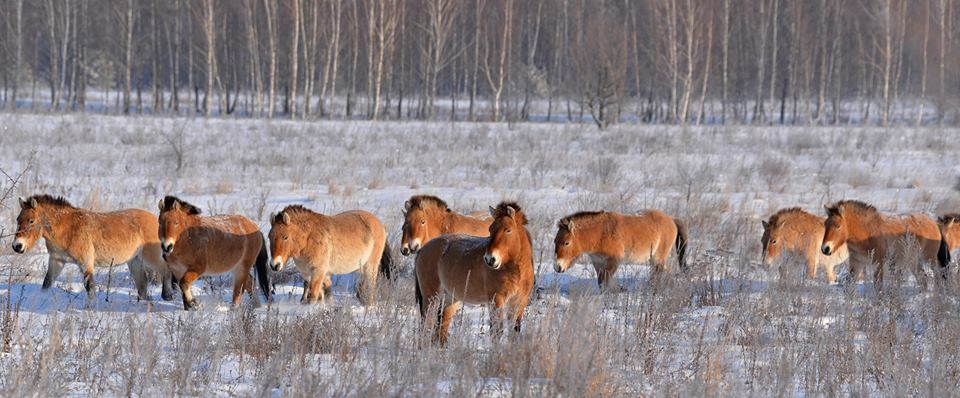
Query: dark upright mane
782	213
949	218
291	210
425	201
579	217
854	205
48	200
169	201
503	210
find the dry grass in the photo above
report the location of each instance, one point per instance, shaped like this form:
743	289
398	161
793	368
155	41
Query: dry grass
727	327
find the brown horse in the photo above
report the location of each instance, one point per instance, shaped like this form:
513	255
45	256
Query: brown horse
950	230
91	239
610	239
194	246
795	231
322	245
498	270
872	236
426	217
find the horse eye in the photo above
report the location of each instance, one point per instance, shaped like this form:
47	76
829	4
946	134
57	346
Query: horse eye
423	222
773	241
286	238
32	222
566	243
509	230
837	227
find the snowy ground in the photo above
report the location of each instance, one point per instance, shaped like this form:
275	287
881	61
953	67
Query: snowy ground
729	327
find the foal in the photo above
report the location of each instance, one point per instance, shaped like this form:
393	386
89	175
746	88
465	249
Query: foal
195	246
795	231
610	239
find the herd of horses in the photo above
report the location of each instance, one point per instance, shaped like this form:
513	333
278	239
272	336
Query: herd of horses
476	258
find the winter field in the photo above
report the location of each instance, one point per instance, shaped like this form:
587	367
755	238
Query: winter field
730	326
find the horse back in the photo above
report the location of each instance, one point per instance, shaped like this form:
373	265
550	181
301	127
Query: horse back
475	224
642	231
455	261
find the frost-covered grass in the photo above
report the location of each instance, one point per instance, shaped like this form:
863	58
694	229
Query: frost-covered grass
728	327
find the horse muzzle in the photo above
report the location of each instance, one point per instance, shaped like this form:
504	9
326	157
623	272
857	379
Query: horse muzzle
825	249
166	247
405	251
559	268
491	261
277	265
19	247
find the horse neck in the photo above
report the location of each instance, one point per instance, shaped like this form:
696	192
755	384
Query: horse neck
56	220
864	226
799	229
519	256
449	219
589	237
951	234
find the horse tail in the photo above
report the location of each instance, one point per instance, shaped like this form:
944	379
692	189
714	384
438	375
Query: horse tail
681	244
386	262
263	270
943	254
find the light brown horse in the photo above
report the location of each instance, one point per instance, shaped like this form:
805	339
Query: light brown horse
426	217
91	239
795	231
950	230
456	269
872	236
322	245
610	239
195	246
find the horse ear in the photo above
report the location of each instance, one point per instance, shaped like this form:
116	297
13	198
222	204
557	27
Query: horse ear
285	217
407	206
493	212
23	203
766	225
33	202
176	205
511	211
160	205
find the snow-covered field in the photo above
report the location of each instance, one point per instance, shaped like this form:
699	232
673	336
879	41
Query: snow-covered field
728	327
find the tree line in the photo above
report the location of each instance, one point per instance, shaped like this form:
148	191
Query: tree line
665	61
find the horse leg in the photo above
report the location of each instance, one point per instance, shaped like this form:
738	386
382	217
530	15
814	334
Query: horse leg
167	282
253	296
316	289
920	275
306	291
327	288
189	302
54	268
497	316
241	281
88	284
831	272
812	267
367	284
518	310
139	276
605	271
450	309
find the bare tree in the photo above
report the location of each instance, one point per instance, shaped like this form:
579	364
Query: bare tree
600	66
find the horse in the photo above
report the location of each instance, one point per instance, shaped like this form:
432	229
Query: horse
798	232
498	270
91	239
322	245
195	245
426	217
610	238
950	230
871	236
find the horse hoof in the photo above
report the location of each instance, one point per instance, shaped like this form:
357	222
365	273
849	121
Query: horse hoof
167	297
191	305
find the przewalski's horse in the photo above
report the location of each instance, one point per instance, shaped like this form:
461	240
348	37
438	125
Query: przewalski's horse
871	237
91	239
426	217
610	239
456	269
950	231
195	246
795	231
322	245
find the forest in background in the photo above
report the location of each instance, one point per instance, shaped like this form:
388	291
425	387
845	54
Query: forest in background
876	62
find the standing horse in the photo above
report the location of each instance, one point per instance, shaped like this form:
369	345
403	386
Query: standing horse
498	270
795	231
322	245
426	217
610	239
195	246
872	236
91	239
950	230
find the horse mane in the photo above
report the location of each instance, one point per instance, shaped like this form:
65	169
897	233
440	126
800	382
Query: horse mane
169	201
777	217
44	199
854	205
426	201
949	218
291	210
503	210
580	217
